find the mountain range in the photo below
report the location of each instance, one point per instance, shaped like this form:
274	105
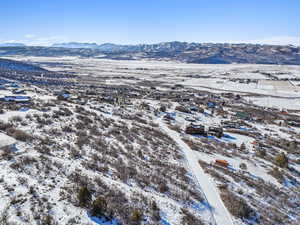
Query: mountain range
178	51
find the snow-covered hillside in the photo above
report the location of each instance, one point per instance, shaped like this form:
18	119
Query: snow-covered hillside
146	149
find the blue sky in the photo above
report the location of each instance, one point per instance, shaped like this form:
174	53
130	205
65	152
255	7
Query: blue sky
42	22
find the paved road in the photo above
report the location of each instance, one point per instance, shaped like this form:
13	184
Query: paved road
221	215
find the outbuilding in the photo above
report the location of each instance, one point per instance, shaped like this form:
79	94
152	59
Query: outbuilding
222	162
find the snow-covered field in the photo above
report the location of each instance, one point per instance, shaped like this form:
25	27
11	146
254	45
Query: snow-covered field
213	78
274	102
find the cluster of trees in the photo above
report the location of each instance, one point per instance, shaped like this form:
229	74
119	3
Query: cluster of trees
115	205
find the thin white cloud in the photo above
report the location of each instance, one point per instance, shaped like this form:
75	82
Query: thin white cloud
278	40
46	40
33	40
30	36
10	41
